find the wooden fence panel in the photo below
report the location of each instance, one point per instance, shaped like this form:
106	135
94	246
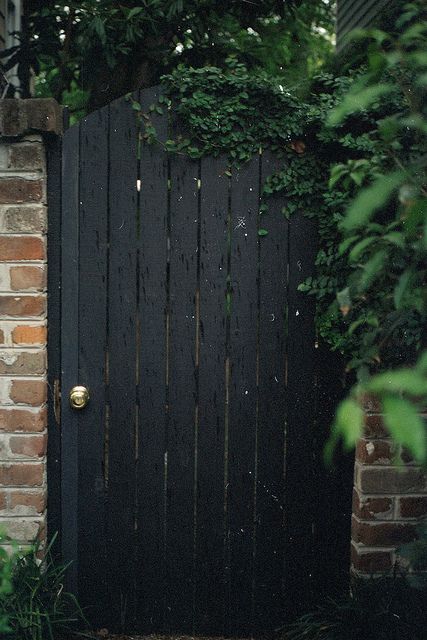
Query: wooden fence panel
121	378
182	398
214	249
93	273
242	435
152	398
271	409
301	409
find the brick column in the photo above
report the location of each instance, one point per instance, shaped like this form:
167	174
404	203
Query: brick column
23	322
390	496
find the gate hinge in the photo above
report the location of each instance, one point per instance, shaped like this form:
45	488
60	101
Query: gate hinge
57	401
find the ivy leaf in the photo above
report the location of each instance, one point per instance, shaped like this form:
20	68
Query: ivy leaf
336	173
262	232
405	425
371	199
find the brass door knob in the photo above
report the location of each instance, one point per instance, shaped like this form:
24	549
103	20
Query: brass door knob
79	397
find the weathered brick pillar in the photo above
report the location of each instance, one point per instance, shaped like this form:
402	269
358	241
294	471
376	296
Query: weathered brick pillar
24	125
390	496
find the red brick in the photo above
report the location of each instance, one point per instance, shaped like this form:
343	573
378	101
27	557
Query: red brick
22	278
371	562
374	427
375	451
20	475
384	534
27	156
33	500
23	421
390	480
20	190
28	446
413	507
25	363
370	403
3	500
22	306
25	219
29	335
18	116
21	248
372	508
32	392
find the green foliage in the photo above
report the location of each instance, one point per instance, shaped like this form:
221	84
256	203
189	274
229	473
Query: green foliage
37	607
91	51
385	234
379	609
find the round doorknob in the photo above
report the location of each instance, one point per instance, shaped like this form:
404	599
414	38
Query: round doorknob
79	397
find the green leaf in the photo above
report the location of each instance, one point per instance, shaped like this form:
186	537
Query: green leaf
396	238
345	244
349	422
371	199
336	173
357	178
405	425
99	28
357	100
359	248
344	300
421	365
262	232
401	287
408	381
134	12
372	269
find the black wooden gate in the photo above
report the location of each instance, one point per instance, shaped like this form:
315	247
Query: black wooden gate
188	492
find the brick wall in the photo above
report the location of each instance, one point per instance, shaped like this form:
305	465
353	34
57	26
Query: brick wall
390	496
23	322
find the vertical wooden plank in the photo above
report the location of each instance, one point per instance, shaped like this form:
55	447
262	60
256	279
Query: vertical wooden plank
182	393
301	407
210	584
93	572
243	394
152	243
333	485
69	350
271	410
122	300
54	188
